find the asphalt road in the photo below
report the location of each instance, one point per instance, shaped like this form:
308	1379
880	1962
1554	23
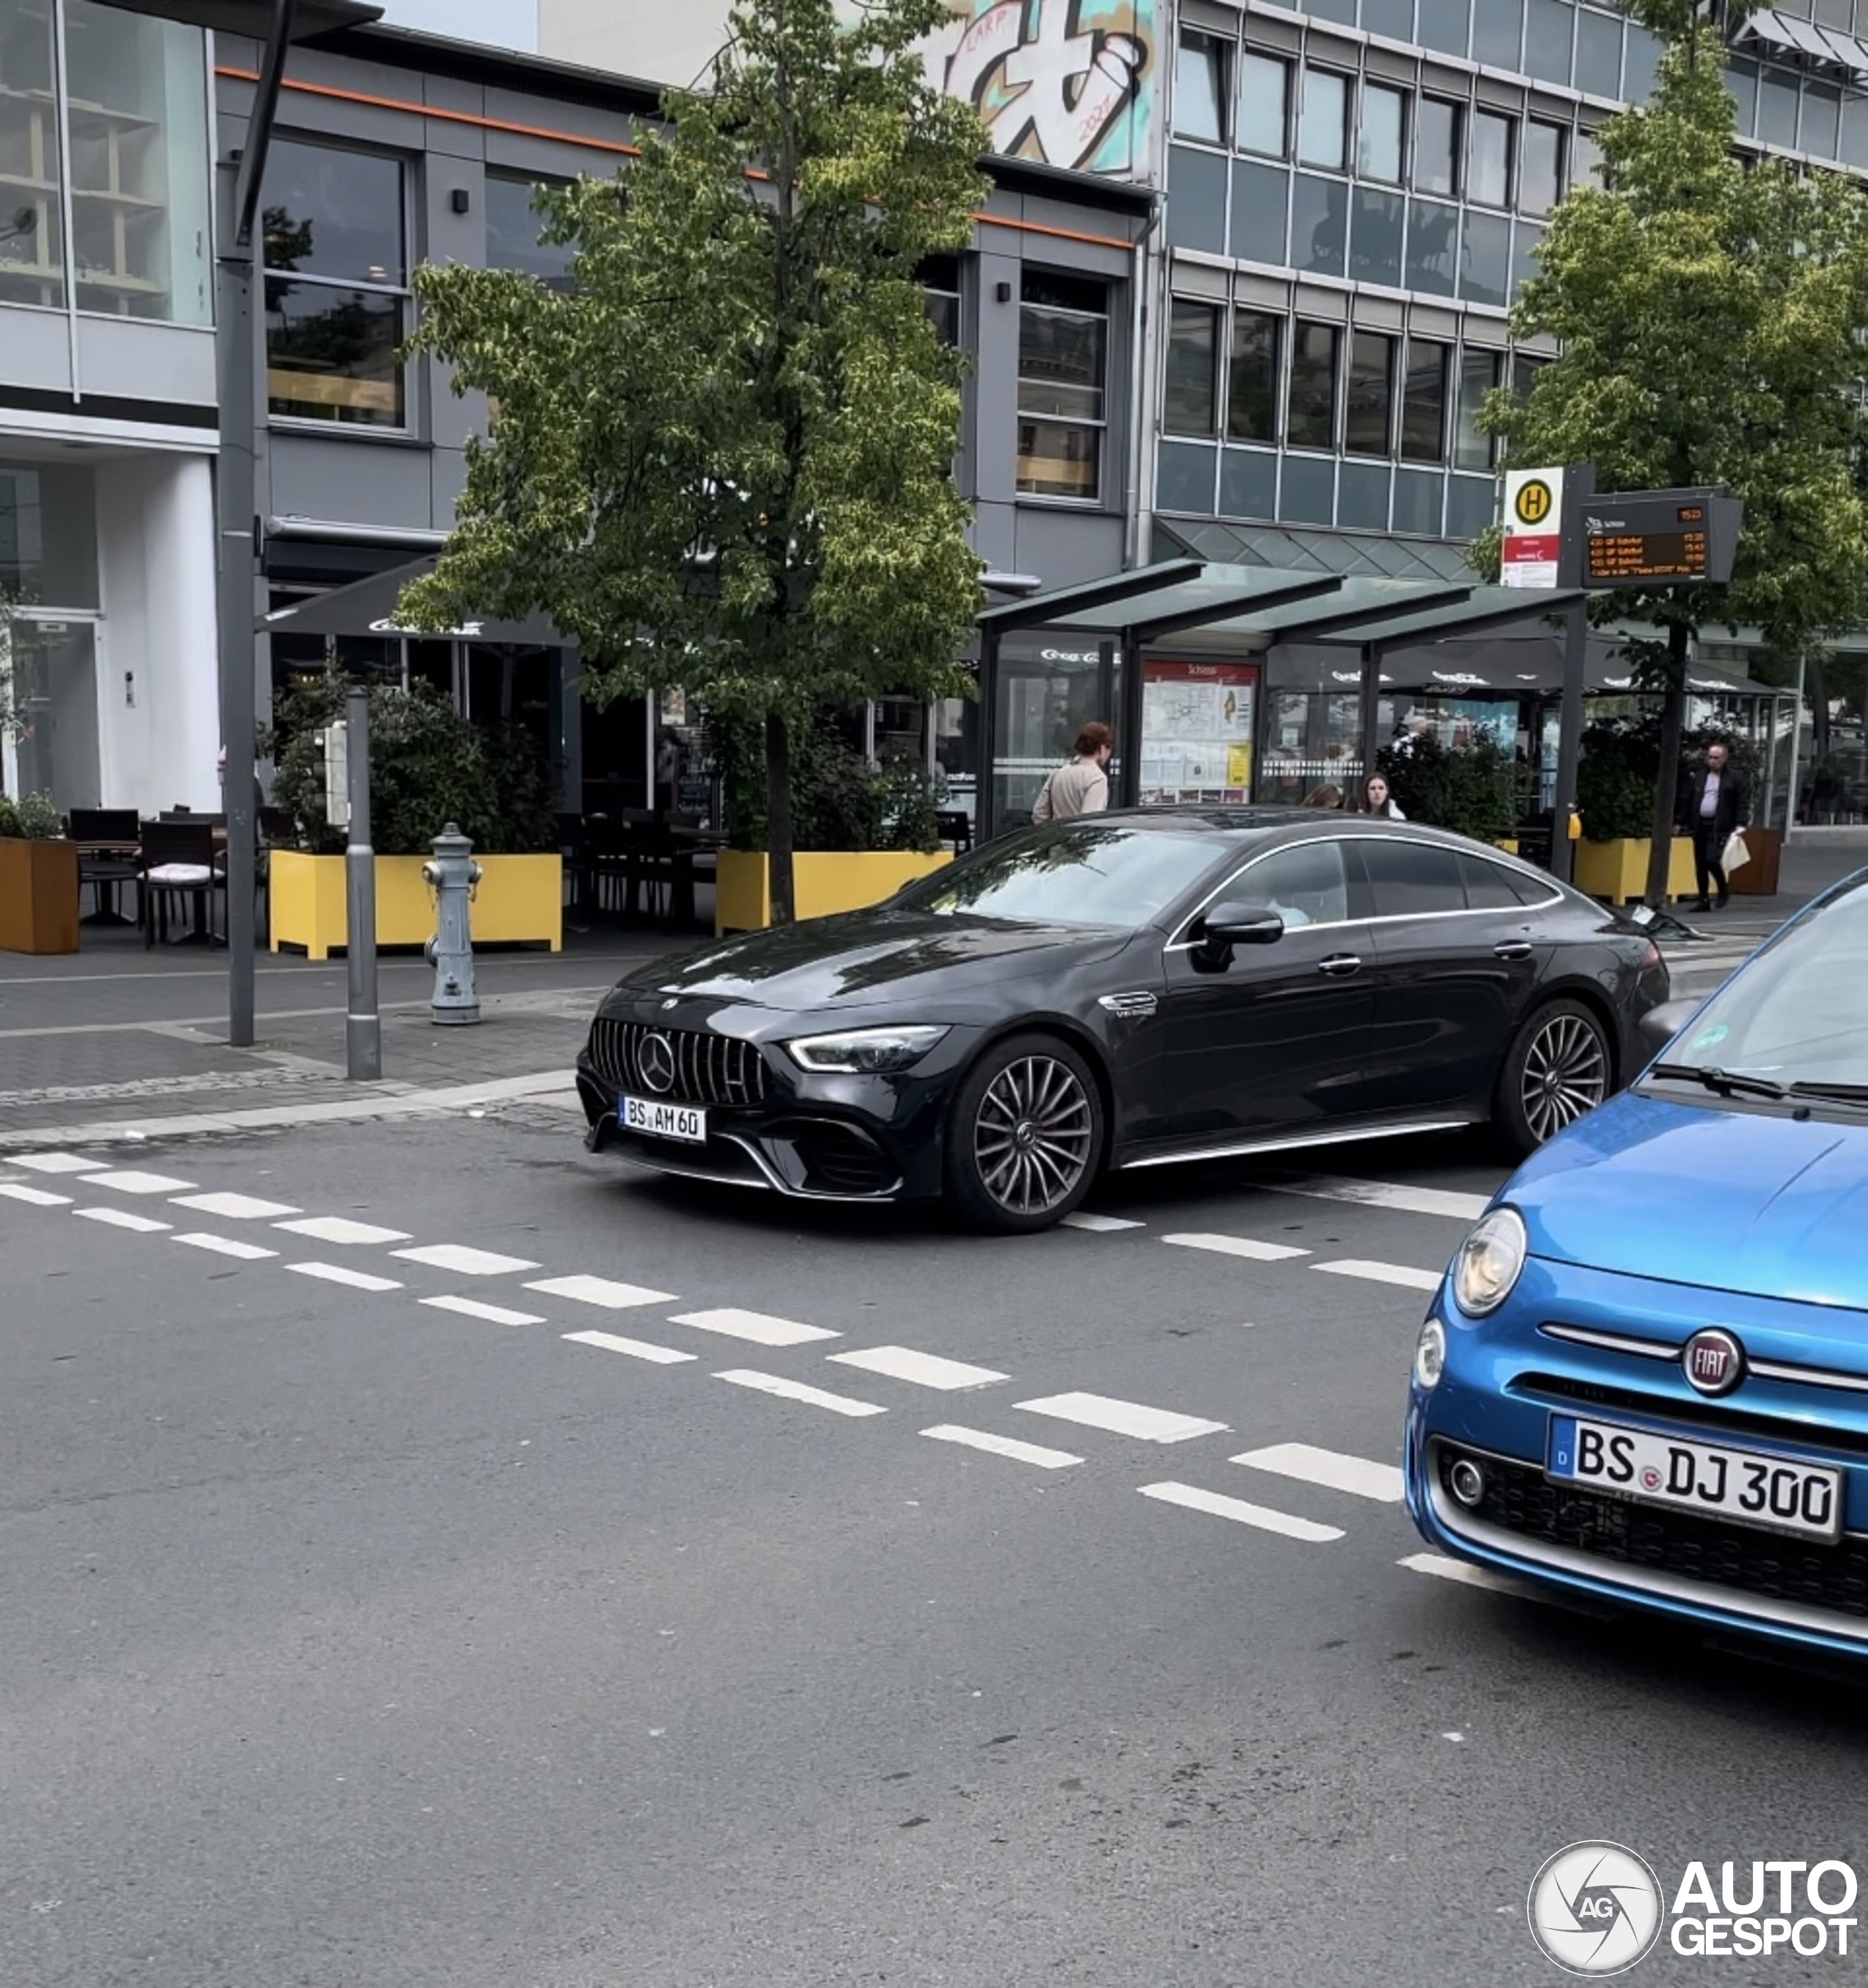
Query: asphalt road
352	1640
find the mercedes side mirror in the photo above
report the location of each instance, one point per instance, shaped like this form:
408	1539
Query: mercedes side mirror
1243	925
1659	1026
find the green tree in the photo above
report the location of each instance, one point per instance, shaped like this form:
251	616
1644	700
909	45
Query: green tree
1710	314
721	463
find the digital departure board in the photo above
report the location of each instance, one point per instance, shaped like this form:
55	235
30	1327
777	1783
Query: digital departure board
1631	542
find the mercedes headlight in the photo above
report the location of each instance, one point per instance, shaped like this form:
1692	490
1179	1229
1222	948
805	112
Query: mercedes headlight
1489	1262
1430	1355
865	1052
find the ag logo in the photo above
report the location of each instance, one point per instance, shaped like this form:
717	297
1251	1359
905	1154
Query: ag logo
1595	1909
1534	501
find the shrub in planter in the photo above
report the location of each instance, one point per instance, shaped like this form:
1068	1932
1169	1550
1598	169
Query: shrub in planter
39	878
839	802
1471	789
32	818
1621	761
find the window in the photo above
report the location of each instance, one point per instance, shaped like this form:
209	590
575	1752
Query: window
1540	168
1436	151
336	287
1251	399
1479	371
1489	173
1381	138
1311	421
1548	26
1199	88
121	138
1587	169
1063	364
1323	130
1598	53
1369	413
1100	873
1308	885
1524	370
1264	105
1424	401
1490	887
940	289
1498	33
1190	403
513	228
1446	25
1412	880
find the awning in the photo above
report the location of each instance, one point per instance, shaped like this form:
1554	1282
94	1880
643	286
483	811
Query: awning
1784	34
368	607
1500	666
1292	550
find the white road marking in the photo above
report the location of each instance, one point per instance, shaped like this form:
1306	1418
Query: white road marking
132	1182
340	1229
1356	1474
464	1262
795	1391
333	1273
637	1349
1442	1568
1239	1245
1101	1224
1383	1273
225	1246
1194	1499
923	1370
1386	1193
35	1197
493	1314
1122	1417
58	1163
1004	1445
754	1326
601	1291
118	1217
234	1207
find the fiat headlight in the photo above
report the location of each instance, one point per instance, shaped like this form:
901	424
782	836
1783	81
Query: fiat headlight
1489	1262
1430	1355
865	1052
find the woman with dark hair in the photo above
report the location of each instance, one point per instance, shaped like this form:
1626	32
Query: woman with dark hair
1375	799
1328	796
1081	787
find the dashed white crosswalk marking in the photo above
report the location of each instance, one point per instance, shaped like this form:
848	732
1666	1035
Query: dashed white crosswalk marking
131	1181
119	1218
1101	1224
637	1349
335	1273
225	1246
795	1391
601	1292
34	1196
1356	1474
341	1228
463	1262
1194	1499
923	1370
1248	1247
754	1326
1383	1273
57	1163
492	1314
1130	1418
1386	1194
234	1207
1034	1453
1443	1568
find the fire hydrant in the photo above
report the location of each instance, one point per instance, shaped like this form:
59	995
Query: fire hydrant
451	878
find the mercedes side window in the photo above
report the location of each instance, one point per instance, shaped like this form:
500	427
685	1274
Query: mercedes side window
1308	885
1490	886
1412	880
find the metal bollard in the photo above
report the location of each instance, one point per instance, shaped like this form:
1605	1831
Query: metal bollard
451	878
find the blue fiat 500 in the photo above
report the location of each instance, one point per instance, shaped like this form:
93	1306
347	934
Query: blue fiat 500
1645	1378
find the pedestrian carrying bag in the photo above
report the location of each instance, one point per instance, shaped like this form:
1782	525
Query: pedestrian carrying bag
1040	808
1737	855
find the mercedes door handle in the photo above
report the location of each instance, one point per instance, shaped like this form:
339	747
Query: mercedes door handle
1513	948
1340	965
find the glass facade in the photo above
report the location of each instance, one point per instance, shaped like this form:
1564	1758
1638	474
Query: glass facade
103	181
49	564
1063	380
513	226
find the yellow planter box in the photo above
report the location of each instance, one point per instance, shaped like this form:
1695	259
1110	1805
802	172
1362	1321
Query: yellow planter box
1508	844
520	900
1618	871
824	882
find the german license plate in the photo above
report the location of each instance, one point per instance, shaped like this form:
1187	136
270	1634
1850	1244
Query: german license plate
662	1120
1734	1484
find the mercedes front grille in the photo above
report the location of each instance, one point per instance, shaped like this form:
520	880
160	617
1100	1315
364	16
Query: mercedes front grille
707	1069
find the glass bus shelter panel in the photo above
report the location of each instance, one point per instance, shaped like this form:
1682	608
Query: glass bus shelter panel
1198	722
1049	686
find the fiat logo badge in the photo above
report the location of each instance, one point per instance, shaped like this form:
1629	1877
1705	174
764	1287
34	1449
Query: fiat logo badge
1714	1362
655	1061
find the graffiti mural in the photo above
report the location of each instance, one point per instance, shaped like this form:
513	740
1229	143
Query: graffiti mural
1063	82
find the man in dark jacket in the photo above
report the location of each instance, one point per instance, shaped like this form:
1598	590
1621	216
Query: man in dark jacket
1715	803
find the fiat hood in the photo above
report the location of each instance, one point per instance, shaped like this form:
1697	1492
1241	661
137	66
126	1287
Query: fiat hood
865	958
1745	1201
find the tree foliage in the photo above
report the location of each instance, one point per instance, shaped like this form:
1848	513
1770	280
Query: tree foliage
1711	316
721	462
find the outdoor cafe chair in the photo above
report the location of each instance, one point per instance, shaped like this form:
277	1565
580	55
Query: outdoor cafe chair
178	860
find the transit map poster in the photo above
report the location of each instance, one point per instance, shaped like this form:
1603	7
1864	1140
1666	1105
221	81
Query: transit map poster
1197	731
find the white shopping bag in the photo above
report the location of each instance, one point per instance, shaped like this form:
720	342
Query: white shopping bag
1737	855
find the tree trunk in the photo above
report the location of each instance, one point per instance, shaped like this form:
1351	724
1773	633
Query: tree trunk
778	817
1666	782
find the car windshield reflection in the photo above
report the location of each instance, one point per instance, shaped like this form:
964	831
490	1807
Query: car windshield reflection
1108	875
1794	1017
